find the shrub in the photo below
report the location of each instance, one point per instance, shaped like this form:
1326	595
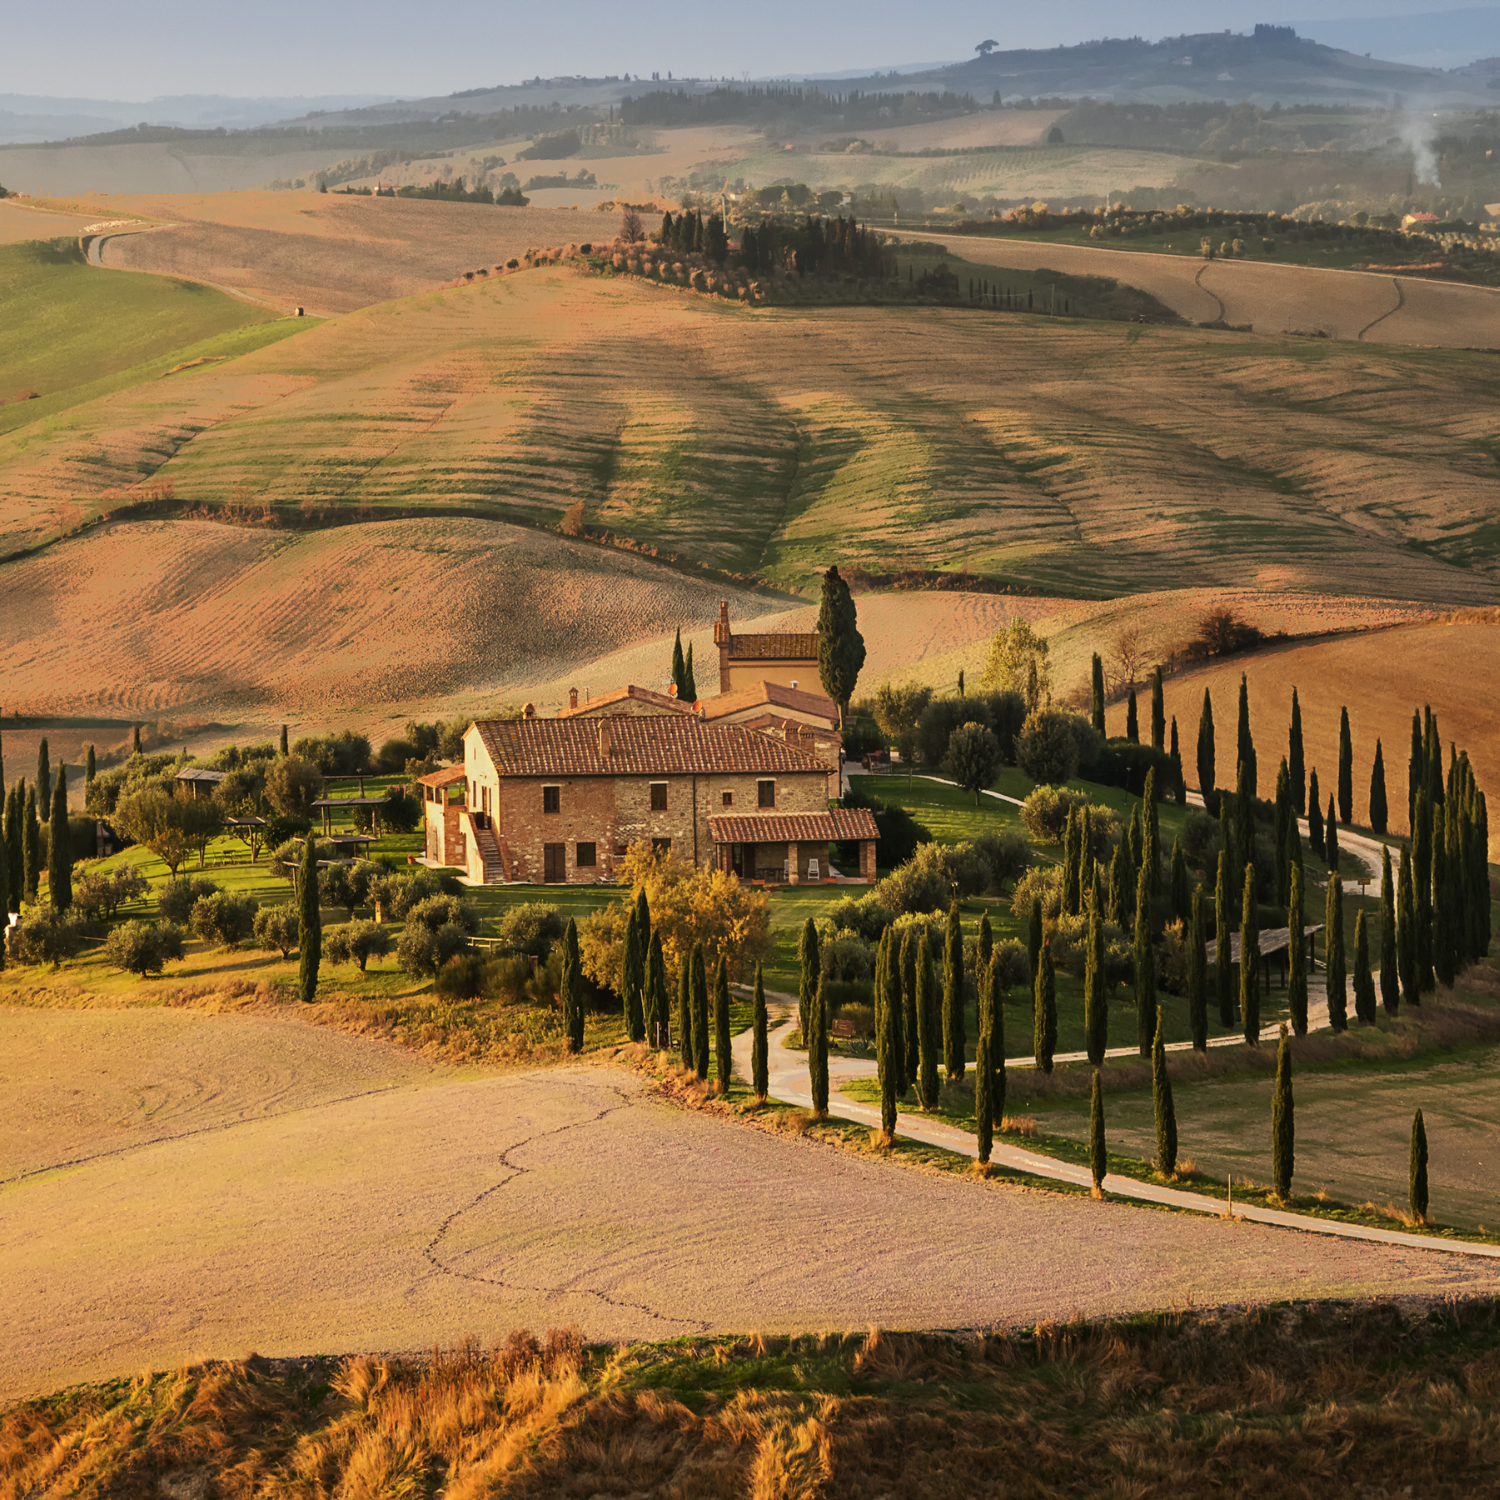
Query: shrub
507	977
1125	764
461	978
1044	881
1221	632
398	894
97	893
348	885
343	754
1201	837
1011	963
1007	856
1047	747
974	757
433	912
900	833
142	947
1045	811
844	956
277	927
46	936
424	950
177	898
223	919
532	928
391	758
1070	938
357	943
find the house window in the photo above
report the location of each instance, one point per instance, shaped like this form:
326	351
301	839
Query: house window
551	799
728	799
586	857
661	846
658	796
765	793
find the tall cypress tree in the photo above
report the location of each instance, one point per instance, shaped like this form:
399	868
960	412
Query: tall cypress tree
1334	968
686	1051
1151	836
1132	719
700	1014
284	749
1161	1098
43	781
887	1043
632	974
1250	961
1296	959
894	1005
689	692
310	924
1070	866
1294	759
1158	713
33	846
984	1109
1206	745
1379	812
658	1030
1179	781
1284	819
572	987
1223	968
1416	769
679	665
1346	770
1406	933
1095	1011
60	847
953	997
1421	877
909	1038
88	773
1182	886
997	1052
1442	899
1145	966
1314	815
1244	742
1331	838
810	958
1364	979
1096	678
135	741
841	648
928	1030
1097	1158
1283	1122
1198	974
15	843
1390	969
986	941
1044	1013
760	1066
817	1050
1119	883
723	1054
1418	1177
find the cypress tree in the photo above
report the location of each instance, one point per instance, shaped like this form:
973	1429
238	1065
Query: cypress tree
817	1051
1151	837
1442	900
1482	872
1096	715
1283	824
1145	966
60	847
4	899
679	665
88	774
1198	974
1044	1013
986	941
1119	883
1244	815
135	743
1314	815
894	1005
1283	1123
700	1014
841	648
1294	761
1334	969
1245	752
953	997
1182	897
1293	852
658	1032
1390	972
689	681
1097	1158
1034	936
1364	980
1223	968
723	1056
15	843
1158	713
1296	959
1132	721
1250	961
984	1109
572	987
810	957
43	781
1331	838
310	924
33	846
1406	933
1379	812
632	972
887	1044
686	1051
1206	745
1416	769
1070	867
1421	876
927	1025
1179	781
1161	1098
760	1075
1095	1010
1418	1168
997	1050
1346	770
909	1005
284	749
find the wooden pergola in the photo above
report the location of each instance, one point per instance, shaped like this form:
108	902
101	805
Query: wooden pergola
328	804
250	831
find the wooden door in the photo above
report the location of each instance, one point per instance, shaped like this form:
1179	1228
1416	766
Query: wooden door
554	863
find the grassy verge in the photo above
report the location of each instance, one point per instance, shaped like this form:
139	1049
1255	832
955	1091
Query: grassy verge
1283	1400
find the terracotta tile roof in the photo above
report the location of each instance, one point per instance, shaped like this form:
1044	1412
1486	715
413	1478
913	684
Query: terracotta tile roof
779	647
663	701
795	828
777	693
638	745
446	777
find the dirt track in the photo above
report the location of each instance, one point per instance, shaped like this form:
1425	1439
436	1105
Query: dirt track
373	1203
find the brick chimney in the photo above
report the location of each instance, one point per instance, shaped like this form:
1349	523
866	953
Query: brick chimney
722	638
529	712
572	697
606	738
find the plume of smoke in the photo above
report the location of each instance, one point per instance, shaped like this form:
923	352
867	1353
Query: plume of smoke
1418	133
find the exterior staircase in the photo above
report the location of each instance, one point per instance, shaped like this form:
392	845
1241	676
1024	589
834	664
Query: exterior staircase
490	850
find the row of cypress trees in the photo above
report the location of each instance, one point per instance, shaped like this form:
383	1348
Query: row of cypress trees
25	809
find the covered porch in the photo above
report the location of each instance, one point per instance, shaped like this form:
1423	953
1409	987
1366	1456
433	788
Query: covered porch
793	848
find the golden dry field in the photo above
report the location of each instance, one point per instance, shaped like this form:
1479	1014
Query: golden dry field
1380	676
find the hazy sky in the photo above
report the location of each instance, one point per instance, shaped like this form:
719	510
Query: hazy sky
105	49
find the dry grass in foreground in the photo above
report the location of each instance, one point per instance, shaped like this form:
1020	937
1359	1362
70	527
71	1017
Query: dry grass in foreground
1286	1401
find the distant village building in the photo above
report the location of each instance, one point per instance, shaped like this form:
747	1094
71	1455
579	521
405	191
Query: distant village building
785	657
1418	221
199	783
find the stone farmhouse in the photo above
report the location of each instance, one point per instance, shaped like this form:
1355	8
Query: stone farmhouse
786	658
